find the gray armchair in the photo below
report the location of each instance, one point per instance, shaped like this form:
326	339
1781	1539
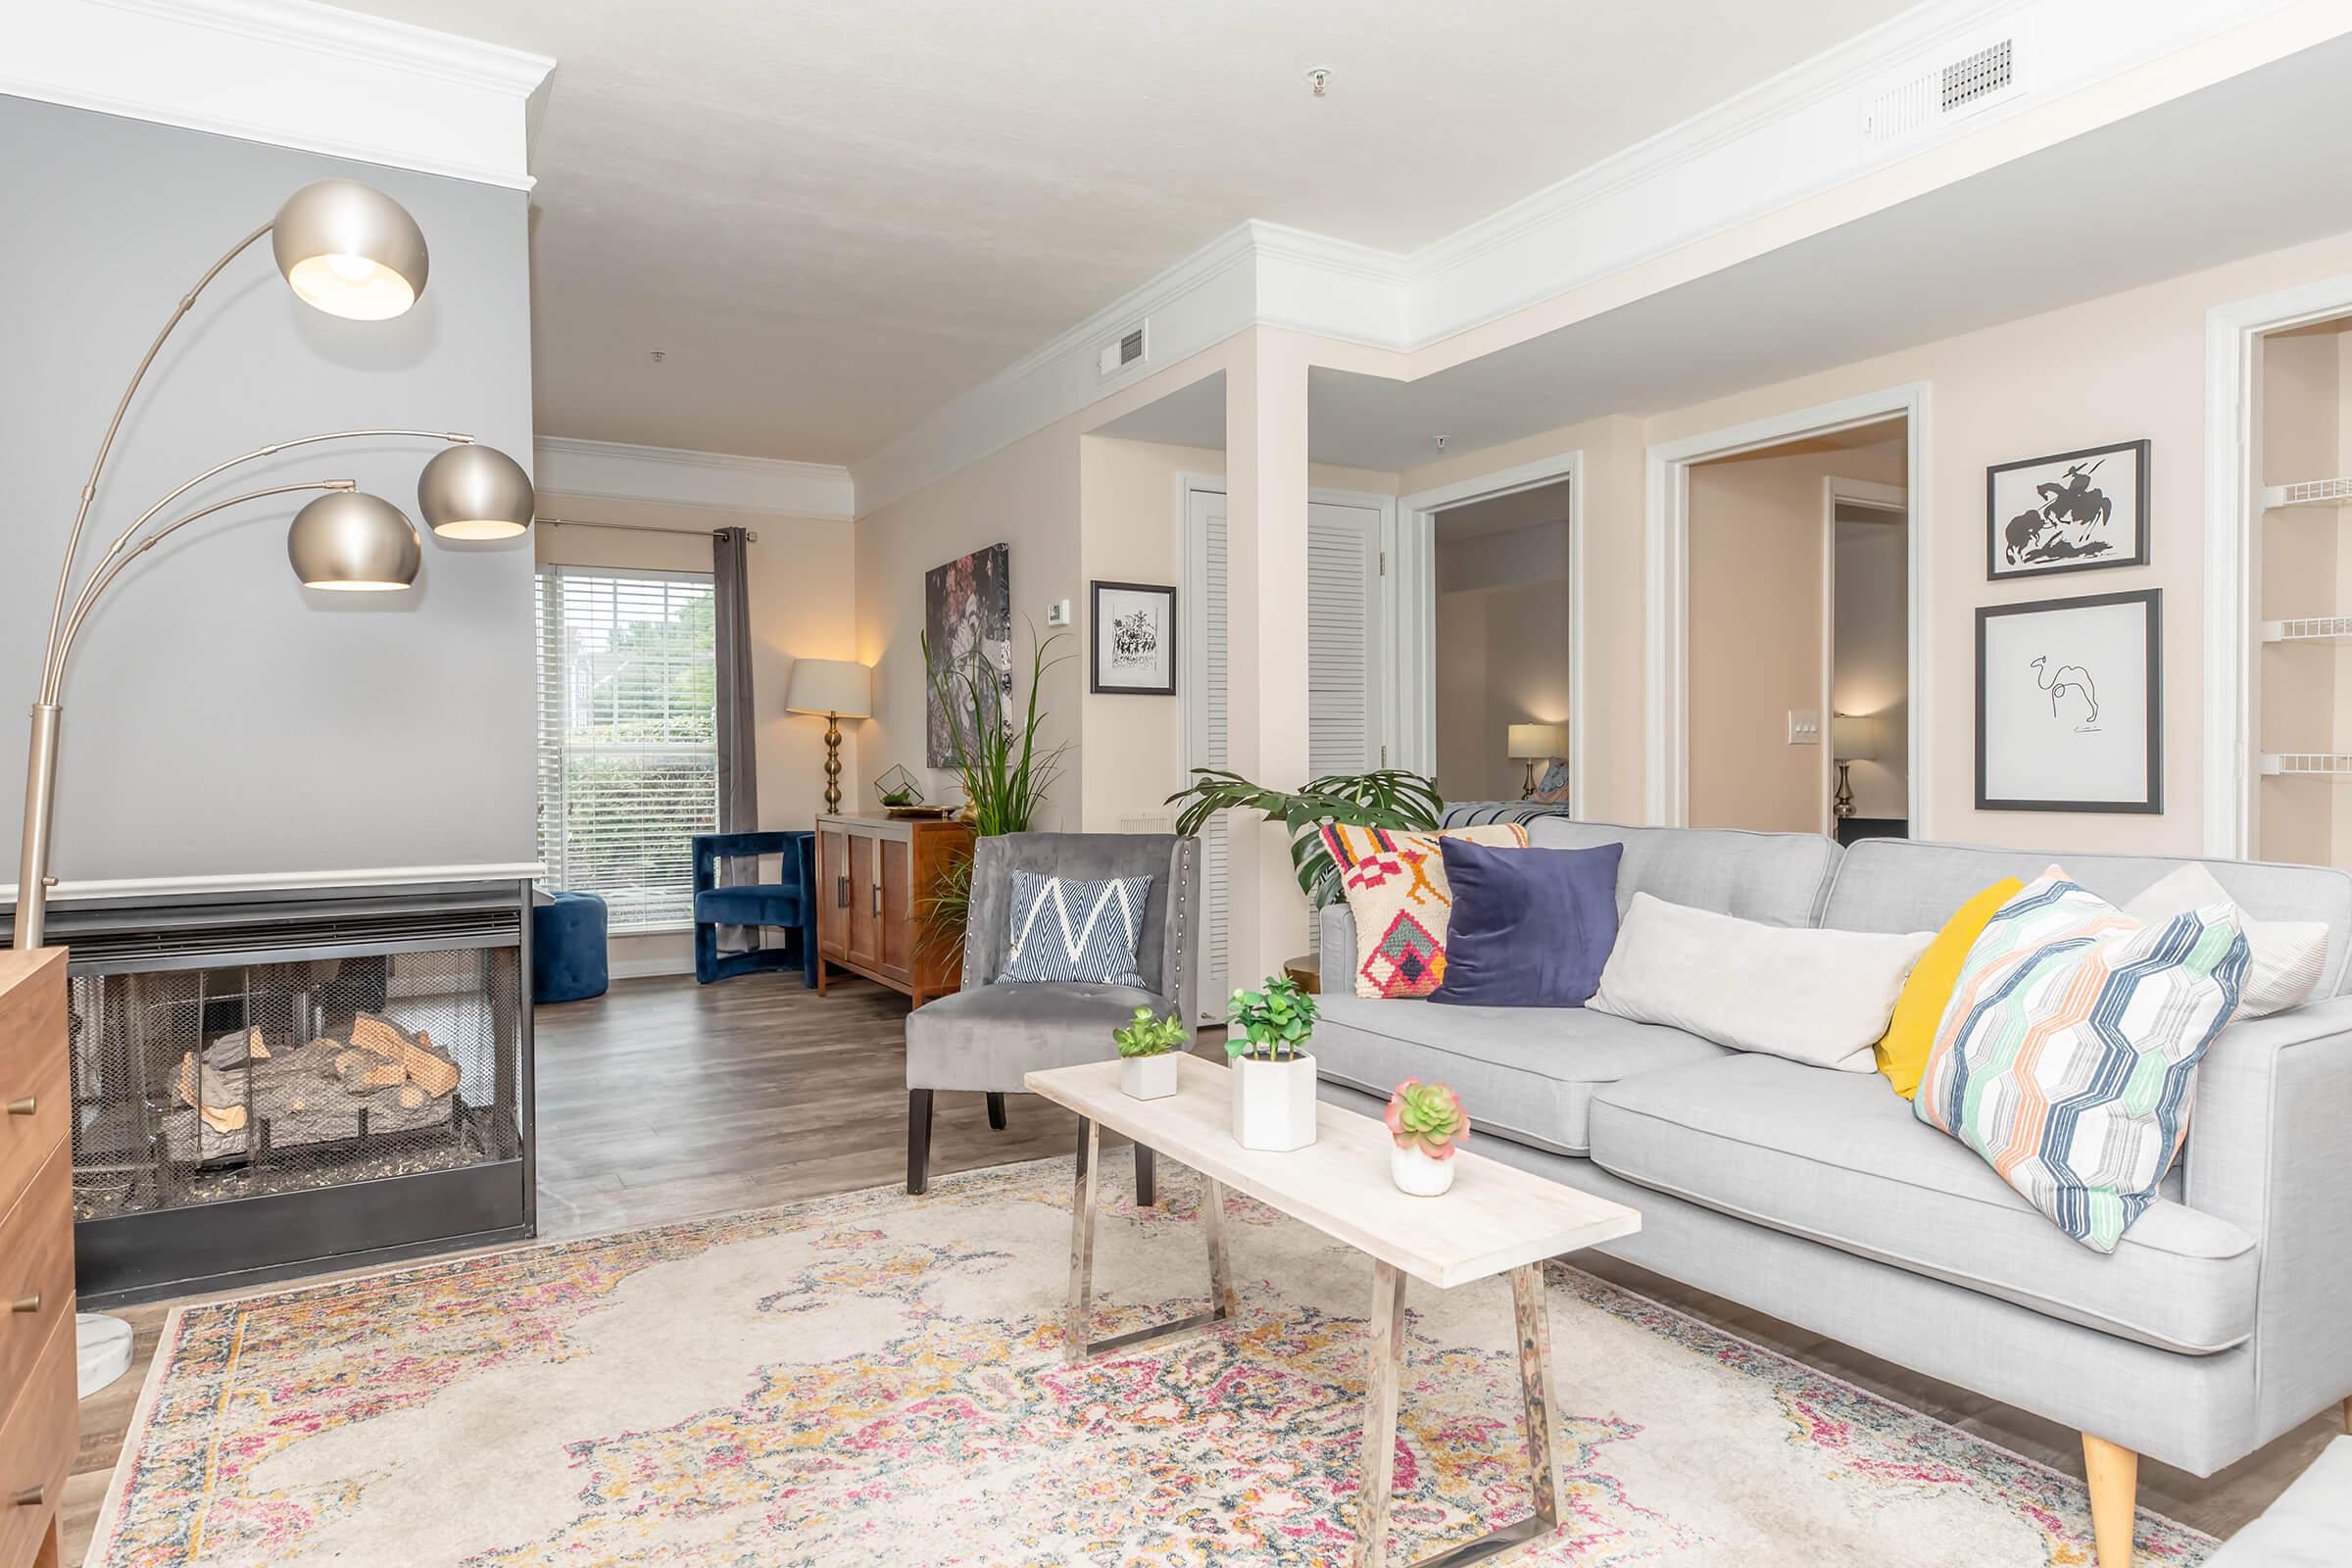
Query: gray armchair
986	1036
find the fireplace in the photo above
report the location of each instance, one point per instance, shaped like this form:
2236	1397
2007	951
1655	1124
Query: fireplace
281	1082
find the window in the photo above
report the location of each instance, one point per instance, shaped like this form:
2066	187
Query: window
628	737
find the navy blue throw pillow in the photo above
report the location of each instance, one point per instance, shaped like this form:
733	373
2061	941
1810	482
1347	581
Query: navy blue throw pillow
1530	928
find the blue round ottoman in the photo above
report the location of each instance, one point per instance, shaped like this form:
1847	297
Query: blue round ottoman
568	948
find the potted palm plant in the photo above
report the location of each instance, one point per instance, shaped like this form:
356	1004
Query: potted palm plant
1426	1125
1273	1076
1149	1050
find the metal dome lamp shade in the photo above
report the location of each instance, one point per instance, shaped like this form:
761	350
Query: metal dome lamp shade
350	250
350	542
474	492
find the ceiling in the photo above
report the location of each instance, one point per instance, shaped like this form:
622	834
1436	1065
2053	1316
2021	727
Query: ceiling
832	217
2191	183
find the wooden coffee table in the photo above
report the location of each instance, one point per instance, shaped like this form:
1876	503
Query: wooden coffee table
1496	1220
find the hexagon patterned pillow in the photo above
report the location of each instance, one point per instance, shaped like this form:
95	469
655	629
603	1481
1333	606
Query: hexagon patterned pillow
1396	887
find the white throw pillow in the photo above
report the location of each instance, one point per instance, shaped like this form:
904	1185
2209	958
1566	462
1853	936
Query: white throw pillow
2289	954
1818	997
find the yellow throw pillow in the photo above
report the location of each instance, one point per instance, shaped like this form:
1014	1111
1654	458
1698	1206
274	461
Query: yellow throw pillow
1902	1050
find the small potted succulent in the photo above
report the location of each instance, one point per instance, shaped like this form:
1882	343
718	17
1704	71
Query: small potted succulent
1149	1050
1273	1076
1427	1124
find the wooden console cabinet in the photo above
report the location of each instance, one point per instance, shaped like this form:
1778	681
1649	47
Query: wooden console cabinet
37	1422
875	876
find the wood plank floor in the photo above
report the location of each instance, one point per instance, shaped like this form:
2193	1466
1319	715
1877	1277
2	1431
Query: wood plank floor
663	1099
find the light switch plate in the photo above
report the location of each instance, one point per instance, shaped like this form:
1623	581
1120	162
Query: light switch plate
1058	613
1804	726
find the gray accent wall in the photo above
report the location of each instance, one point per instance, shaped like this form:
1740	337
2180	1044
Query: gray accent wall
219	718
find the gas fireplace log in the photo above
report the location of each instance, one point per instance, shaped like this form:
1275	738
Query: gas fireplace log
419	1061
209	1092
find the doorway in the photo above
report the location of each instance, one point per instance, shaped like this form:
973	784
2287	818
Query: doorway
1500	645
1745	687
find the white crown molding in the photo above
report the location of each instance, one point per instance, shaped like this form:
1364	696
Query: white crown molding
287	73
616	470
1748	165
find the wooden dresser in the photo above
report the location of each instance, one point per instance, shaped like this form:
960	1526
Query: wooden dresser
875	876
37	1427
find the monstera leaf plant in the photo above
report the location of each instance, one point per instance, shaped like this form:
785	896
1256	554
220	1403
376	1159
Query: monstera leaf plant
1390	797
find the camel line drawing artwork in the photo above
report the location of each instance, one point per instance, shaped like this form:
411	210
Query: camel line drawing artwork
2067	677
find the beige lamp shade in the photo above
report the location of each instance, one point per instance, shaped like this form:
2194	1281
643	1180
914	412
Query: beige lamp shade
1533	743
837	686
1854	737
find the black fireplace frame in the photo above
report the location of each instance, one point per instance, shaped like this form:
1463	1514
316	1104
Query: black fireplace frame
238	1241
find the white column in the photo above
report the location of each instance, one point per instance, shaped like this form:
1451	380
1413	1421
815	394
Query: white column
1266	501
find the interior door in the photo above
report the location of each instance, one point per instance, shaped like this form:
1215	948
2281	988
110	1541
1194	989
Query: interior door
1204	683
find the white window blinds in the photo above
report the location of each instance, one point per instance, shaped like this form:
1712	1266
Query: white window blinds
628	737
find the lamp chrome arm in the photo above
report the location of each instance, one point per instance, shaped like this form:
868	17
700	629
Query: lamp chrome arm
114	426
53	662
99	582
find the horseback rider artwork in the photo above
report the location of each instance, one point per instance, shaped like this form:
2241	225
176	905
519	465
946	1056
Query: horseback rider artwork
2074	510
2067	523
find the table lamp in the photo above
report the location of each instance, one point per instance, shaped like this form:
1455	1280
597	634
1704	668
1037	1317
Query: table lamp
1535	743
839	689
1853	738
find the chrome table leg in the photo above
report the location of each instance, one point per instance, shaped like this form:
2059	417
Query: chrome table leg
1078	1322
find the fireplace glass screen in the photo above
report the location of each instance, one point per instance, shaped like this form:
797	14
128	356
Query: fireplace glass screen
197	1085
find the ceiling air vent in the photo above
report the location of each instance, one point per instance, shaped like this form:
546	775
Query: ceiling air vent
1129	348
1971	80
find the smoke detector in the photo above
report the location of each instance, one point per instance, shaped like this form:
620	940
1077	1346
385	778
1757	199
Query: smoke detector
1318	78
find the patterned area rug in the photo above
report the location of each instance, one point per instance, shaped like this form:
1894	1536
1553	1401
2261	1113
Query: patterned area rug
877	1379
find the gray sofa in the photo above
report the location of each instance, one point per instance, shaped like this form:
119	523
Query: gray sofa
2220	1322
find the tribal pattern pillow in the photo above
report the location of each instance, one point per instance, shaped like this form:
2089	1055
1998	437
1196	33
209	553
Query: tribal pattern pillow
1397	890
2069	1052
1065	931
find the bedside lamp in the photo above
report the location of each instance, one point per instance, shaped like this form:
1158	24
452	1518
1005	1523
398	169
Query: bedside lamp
1535	743
839	689
1853	738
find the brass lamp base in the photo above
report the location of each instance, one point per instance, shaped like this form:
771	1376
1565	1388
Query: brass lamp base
832	765
1844	803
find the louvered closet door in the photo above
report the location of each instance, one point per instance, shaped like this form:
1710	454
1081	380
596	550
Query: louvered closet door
1343	609
1343	601
1204	726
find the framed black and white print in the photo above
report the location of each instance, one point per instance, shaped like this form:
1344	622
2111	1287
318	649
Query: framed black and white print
2070	705
1135	639
2071	512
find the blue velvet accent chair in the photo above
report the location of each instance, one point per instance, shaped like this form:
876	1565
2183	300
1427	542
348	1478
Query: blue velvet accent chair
788	902
568	948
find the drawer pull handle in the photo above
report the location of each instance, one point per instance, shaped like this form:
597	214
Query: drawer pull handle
25	1303
29	1498
23	1107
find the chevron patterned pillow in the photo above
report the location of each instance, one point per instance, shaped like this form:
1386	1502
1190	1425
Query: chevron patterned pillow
1065	930
2069	1050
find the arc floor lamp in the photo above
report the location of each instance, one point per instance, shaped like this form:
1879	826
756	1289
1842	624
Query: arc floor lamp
352	250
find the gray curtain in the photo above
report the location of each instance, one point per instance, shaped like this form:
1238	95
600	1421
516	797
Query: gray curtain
738	720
